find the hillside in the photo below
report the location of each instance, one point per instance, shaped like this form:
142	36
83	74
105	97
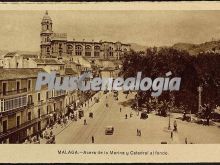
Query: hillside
137	47
194	49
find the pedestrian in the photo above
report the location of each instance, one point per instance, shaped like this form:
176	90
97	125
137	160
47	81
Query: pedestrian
131	114
51	133
126	116
171	135
120	109
139	132
93	140
186	140
175	125
85	122
208	120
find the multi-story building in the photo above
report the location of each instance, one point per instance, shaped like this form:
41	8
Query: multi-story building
20	113
56	45
25	112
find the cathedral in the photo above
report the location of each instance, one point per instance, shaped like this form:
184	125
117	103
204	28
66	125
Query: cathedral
56	45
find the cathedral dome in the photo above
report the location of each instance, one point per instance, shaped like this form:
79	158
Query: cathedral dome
46	17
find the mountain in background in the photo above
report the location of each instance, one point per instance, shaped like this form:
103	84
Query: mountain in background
137	47
195	49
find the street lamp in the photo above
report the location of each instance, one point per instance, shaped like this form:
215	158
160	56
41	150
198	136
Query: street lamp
169	126
172	104
200	89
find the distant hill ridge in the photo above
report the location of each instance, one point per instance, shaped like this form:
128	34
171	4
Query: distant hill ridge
195	49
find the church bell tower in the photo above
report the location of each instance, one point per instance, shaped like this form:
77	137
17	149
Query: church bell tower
46	32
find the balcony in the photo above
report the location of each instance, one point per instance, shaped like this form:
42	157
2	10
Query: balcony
50	100
4	135
30	104
13	92
10	106
59	93
40	102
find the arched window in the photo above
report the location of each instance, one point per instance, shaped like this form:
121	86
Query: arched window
78	50
88	50
97	51
111	51
69	49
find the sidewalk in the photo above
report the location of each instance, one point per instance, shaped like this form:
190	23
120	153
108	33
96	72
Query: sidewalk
57	129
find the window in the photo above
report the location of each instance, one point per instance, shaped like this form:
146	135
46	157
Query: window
4	86
29	84
69	49
38	97
29	116
18	121
48	49
61	67
47	95
30	101
111	51
96	54
5	125
88	50
78	50
38	113
17	86
97	51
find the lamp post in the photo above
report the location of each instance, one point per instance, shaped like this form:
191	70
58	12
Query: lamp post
169	106
200	89
169	126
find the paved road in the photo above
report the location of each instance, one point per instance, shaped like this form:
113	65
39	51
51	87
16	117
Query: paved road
154	129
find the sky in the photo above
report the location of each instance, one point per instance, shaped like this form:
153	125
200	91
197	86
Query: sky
20	30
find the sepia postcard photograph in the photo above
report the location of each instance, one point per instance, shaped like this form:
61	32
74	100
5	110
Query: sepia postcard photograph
118	82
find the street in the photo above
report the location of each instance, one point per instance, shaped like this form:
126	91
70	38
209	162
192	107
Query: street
153	130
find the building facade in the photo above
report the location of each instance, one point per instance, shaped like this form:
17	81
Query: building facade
25	112
56	45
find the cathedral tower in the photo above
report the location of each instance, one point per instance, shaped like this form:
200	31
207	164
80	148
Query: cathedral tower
46	32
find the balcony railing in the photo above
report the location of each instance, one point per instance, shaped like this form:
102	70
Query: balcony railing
11	105
40	102
30	104
18	128
59	93
13	92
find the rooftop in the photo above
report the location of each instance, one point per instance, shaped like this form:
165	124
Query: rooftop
48	61
10	54
70	71
19	73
